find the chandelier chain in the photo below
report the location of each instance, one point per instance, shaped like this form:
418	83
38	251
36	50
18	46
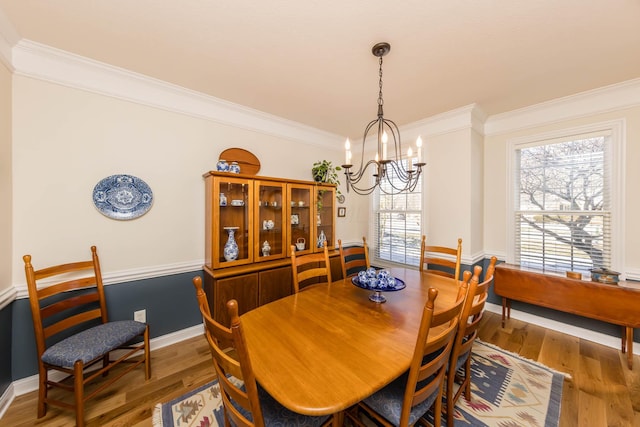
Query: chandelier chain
380	100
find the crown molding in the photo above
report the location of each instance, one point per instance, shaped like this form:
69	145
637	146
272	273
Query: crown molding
467	117
8	38
38	61
597	101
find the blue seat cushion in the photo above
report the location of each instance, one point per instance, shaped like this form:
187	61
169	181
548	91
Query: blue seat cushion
387	402
92	343
276	415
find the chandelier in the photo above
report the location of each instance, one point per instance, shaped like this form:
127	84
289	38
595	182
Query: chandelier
400	175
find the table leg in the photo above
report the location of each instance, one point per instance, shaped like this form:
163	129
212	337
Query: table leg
624	339
506	310
338	419
629	340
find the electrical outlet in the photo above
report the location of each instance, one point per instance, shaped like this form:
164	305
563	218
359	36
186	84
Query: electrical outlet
140	316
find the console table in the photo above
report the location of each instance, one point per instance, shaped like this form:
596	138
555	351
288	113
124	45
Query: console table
617	304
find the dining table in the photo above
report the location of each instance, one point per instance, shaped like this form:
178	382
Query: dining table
326	348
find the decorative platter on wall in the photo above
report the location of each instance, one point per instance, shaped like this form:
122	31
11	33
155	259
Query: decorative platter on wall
122	197
248	162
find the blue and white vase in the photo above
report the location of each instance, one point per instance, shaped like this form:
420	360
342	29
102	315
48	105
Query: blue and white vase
234	168
231	247
222	166
321	239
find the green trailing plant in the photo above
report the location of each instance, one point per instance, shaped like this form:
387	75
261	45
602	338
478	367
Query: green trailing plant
324	171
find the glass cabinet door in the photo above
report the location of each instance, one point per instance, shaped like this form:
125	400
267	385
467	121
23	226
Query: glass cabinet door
300	211
325	197
232	221
270	227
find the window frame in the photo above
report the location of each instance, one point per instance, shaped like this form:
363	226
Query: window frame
616	129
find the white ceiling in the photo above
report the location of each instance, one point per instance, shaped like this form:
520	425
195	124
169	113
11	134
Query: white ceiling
311	62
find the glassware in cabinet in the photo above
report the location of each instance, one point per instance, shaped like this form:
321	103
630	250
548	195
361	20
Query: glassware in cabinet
270	225
300	211
230	221
325	196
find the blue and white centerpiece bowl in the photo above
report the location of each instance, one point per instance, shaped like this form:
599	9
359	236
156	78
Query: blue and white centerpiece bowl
222	166
378	281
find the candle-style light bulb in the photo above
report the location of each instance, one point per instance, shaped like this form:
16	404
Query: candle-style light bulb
377	158
410	158
347	154
385	138
419	148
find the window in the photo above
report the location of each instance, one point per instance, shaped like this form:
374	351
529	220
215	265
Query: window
563	200
398	225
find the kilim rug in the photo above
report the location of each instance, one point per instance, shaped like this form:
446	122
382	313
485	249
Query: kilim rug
507	391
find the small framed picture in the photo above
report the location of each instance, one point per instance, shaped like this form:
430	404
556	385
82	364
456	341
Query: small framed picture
295	220
342	211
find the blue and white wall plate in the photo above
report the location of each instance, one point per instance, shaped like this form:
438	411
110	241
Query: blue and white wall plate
122	197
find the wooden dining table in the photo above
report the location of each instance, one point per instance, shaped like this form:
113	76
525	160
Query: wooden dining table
326	348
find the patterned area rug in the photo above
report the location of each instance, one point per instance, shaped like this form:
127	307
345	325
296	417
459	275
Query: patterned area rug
507	391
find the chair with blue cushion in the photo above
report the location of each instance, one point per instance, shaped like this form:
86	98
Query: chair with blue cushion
354	258
459	370
408	398
245	402
73	332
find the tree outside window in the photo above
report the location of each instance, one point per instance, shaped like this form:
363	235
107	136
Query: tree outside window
563	213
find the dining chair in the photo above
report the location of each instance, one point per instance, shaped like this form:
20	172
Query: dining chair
73	332
308	269
459	370
408	398
245	403
434	256
354	258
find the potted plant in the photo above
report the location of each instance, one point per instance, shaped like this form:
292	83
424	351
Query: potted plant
324	171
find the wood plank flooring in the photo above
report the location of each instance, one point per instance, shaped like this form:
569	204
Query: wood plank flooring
601	391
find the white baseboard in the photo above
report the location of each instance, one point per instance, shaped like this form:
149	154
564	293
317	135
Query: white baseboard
597	337
29	384
6	399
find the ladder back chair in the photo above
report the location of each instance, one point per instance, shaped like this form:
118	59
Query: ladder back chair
445	260
73	332
459	370
354	258
308	267
245	403
407	399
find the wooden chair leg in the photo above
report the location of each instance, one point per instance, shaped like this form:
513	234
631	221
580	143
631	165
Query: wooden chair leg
147	354
78	382
42	391
467	372
451	379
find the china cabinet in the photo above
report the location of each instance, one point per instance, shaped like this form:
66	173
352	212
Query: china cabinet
251	222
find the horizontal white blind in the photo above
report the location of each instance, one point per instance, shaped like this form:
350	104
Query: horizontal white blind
563	218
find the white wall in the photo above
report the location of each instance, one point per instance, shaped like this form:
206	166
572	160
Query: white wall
66	140
5	179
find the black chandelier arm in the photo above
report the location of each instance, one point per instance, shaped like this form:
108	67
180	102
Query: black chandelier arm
409	179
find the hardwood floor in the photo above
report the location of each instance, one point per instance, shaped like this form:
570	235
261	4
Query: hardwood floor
601	391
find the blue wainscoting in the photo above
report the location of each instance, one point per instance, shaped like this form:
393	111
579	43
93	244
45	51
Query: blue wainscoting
5	348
